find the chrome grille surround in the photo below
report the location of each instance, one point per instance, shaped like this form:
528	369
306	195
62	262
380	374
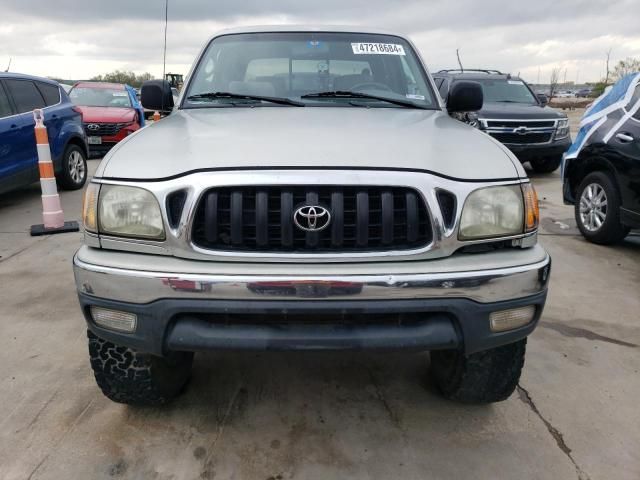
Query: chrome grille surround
179	243
359	218
520	129
103	129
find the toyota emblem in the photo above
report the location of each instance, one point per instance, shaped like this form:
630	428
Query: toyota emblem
93	127
312	218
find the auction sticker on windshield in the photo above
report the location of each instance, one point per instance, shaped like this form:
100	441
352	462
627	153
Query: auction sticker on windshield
377	49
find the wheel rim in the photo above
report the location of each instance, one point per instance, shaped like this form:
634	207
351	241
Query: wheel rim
593	207
76	167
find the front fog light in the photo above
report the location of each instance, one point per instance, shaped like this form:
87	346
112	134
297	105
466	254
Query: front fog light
114	319
504	320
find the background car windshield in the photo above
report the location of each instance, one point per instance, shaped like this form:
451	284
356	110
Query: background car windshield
511	91
99	97
294	64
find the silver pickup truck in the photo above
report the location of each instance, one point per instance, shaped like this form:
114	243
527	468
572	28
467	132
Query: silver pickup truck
309	192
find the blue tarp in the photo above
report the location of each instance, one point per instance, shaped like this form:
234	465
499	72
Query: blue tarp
607	114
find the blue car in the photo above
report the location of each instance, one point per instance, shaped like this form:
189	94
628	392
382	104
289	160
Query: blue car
19	96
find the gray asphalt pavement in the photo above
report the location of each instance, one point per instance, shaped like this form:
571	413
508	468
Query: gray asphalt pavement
323	416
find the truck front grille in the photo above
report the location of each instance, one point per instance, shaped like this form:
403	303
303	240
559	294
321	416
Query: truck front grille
261	219
520	132
516	138
520	123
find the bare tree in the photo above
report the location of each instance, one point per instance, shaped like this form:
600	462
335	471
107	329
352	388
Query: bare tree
624	67
606	78
553	81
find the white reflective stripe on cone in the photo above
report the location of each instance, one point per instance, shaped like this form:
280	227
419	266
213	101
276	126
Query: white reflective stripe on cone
48	186
44	154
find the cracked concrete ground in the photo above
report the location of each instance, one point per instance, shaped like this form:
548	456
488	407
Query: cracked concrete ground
321	416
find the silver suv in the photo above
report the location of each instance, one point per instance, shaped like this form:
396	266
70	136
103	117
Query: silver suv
309	192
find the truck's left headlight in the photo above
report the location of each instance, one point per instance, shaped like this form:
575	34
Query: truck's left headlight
492	212
562	130
130	212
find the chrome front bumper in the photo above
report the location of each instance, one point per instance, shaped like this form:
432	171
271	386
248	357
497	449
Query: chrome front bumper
155	278
189	305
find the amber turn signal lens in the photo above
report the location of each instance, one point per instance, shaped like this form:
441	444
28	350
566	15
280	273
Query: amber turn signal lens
90	207
531	208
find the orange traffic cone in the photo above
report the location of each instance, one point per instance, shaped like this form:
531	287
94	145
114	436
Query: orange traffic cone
52	215
156	116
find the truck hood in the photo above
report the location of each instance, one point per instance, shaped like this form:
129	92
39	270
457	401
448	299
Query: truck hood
107	114
515	111
281	137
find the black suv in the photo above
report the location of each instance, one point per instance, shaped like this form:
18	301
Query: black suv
515	116
601	173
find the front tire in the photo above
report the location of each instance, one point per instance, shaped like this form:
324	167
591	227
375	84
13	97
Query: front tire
597	209
127	376
545	165
74	168
483	377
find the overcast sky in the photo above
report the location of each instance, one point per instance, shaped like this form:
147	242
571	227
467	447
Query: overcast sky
81	38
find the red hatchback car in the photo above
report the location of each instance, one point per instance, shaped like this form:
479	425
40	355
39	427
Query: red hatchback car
110	112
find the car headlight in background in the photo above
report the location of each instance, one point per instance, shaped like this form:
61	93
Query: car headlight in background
499	211
130	212
472	119
562	131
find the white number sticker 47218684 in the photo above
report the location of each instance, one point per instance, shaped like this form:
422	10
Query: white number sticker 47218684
377	49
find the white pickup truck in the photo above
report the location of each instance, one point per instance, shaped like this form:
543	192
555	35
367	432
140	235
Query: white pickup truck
309	191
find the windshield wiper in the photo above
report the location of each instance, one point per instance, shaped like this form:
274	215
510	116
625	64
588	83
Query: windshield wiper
242	96
348	94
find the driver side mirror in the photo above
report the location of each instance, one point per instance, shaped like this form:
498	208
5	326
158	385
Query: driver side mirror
156	95
465	97
543	99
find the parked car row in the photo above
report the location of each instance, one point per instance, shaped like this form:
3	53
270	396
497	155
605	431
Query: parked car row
19	96
580	93
87	121
94	116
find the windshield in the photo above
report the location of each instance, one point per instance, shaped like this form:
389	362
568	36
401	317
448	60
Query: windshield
99	97
290	65
503	90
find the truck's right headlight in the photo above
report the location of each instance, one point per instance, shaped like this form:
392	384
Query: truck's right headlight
492	212
129	211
